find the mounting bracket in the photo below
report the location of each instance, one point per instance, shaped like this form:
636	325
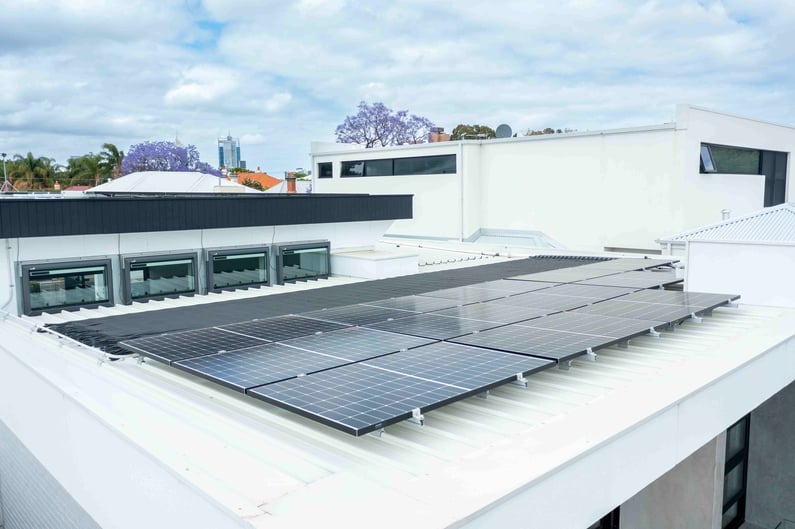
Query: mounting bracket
520	380
484	394
590	355
697	319
377	433
417	417
565	366
654	332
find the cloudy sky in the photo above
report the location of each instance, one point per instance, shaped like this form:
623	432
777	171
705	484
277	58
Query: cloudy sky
279	74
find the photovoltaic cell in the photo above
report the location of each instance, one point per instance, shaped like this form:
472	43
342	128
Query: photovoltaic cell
640	310
432	326
465	295
281	327
513	287
356	314
594	324
415	303
544	343
646	279
357	343
175	346
671	297
595	292
260	365
564	275
494	312
628	264
545	301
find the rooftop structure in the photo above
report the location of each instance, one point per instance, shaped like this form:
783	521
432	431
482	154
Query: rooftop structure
170	182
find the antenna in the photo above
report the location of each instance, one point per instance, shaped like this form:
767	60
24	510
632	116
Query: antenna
504	131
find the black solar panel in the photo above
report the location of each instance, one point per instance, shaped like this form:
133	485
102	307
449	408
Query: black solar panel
465	295
260	365
495	312
415	303
281	327
544	343
594	324
356	314
671	297
363	397
545	301
175	346
511	286
640	310
646	279
595	292
432	326
357	343
627	264
565	275
357	398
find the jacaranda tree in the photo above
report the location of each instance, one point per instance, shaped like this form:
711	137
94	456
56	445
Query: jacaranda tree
378	125
164	156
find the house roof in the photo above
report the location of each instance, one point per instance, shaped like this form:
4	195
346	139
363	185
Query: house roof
773	224
267	181
168	182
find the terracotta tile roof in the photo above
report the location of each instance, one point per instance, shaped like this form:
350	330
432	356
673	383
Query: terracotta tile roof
265	179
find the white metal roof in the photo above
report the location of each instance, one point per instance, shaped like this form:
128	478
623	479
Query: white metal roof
169	182
773	224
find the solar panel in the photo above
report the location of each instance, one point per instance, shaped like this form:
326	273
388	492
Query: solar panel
259	365
564	275
363	397
281	327
671	297
415	303
640	310
175	346
357	343
627	264
646	279
495	312
514	287
465	295
545	301
544	343
460	365
356	314
596	292
433	326
594	324
357	398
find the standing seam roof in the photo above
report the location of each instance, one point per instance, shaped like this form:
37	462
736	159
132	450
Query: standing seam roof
774	224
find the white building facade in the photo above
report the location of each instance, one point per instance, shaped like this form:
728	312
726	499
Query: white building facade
614	189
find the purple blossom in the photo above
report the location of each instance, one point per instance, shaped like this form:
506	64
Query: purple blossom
164	156
378	125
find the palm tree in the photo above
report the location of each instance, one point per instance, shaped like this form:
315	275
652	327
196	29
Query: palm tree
111	160
86	170
33	172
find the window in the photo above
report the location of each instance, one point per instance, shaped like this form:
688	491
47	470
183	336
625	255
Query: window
159	277
737	160
242	267
418	165
611	521
59	286
303	261
324	170
735	474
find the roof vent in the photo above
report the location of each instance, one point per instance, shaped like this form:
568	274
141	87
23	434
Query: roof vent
725	214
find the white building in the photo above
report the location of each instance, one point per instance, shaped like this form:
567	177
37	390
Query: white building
612	189
229	153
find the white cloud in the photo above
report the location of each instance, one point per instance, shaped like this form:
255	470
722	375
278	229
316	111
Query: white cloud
202	84
278	101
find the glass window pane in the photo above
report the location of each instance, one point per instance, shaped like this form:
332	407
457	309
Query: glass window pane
351	169
729	515
706	159
324	170
305	263
444	164
732	160
239	270
160	278
735	439
733	482
378	168
67	287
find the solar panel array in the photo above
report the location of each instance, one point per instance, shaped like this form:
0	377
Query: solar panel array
361	367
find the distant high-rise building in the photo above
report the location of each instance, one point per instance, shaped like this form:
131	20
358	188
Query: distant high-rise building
229	152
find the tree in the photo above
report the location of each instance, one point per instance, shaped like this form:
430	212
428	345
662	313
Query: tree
164	156
112	159
248	182
32	172
462	132
378	125
86	170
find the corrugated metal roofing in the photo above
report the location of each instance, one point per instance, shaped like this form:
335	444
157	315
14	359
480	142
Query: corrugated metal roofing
773	224
169	182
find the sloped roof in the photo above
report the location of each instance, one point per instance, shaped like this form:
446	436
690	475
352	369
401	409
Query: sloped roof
773	224
168	182
267	181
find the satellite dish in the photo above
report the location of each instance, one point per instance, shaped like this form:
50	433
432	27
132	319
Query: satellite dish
504	131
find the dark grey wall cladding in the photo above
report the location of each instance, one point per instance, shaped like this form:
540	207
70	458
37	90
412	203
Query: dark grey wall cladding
54	217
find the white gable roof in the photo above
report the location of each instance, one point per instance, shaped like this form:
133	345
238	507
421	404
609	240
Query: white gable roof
773	224
169	182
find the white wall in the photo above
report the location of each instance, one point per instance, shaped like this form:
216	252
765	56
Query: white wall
761	273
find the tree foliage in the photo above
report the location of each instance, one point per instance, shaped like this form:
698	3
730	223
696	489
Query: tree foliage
248	182
377	124
32	172
472	132
112	159
164	156
548	130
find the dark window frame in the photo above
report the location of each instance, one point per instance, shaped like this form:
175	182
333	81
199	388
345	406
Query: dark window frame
24	284
610	521
740	458
126	282
279	263
347	166
706	148
211	253
321	170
